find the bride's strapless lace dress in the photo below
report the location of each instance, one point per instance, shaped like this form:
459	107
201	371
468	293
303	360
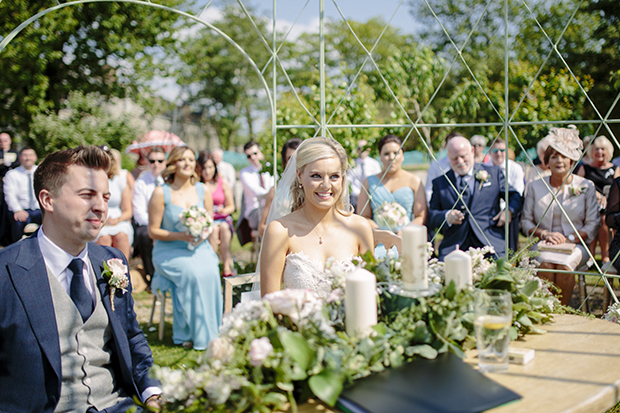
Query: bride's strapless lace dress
302	272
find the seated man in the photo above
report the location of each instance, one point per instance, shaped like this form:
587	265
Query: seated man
476	219
255	185
365	166
19	194
142	192
224	169
66	343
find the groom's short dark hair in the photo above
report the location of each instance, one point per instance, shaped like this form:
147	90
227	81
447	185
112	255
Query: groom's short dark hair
52	173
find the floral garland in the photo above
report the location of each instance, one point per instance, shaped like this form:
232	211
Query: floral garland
292	345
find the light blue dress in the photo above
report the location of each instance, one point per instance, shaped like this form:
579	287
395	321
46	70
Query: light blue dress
378	194
192	278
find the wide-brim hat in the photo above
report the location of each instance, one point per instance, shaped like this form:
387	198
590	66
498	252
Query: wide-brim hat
566	142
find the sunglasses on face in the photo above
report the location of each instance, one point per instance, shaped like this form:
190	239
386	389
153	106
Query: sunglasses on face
152	161
249	155
495	150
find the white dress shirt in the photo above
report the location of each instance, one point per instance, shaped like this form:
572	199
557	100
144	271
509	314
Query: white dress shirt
250	177
227	171
57	261
435	170
515	177
363	169
15	194
142	191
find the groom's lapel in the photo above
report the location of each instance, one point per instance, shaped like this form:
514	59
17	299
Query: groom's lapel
29	276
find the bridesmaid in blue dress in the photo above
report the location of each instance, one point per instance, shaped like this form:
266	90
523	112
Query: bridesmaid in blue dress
192	276
392	184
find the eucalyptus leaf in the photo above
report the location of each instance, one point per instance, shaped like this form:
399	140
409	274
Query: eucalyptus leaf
514	334
327	386
285	386
525	320
297	347
423	350
530	288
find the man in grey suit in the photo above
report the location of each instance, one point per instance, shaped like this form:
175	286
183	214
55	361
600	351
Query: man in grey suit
66	342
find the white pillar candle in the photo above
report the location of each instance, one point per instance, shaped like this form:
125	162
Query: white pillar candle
360	302
458	268
414	260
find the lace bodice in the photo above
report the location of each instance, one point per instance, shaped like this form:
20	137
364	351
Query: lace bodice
302	272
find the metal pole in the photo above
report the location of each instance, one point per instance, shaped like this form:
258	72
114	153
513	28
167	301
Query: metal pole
274	118
322	63
506	126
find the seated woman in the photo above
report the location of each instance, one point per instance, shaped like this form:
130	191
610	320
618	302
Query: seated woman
118	231
392	184
569	218
320	226
599	169
223	207
191	275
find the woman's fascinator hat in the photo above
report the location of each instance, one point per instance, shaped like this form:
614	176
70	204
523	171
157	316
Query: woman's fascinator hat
566	142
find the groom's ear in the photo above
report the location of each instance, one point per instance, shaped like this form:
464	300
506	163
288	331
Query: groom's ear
46	200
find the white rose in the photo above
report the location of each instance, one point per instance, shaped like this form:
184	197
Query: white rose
117	267
260	348
221	349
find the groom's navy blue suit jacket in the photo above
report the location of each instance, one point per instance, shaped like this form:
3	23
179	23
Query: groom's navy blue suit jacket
30	365
483	206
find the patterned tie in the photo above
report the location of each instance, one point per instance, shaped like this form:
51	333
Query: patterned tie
79	294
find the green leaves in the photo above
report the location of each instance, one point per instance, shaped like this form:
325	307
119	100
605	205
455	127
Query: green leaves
327	386
297	347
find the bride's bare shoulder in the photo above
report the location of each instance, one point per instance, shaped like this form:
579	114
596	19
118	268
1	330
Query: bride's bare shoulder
289	220
357	222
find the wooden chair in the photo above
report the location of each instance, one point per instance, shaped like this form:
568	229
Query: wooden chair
229	283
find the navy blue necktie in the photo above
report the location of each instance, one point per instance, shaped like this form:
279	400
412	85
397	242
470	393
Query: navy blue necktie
78	292
464	189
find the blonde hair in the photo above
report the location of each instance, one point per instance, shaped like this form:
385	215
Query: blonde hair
171	164
115	163
315	149
605	143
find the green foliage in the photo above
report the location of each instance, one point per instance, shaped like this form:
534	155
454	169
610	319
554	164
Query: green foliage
83	121
95	47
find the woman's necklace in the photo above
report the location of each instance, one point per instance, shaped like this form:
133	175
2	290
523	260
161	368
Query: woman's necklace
314	228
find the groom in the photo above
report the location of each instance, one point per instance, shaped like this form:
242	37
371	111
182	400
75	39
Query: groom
63	347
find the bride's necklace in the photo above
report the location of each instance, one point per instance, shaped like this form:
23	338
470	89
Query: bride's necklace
314	229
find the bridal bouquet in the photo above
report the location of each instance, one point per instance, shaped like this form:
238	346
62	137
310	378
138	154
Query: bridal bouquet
391	215
197	222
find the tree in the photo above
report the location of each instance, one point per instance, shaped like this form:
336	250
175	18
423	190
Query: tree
219	80
82	121
94	47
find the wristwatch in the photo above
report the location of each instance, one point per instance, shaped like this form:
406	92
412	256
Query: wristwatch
571	238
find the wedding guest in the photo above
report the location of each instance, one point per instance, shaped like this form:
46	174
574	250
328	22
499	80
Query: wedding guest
515	176
19	194
142	192
572	217
365	166
438	168
538	169
223	207
118	232
602	172
613	221
185	266
8	160
320	226
67	344
479	143
466	203
224	169
256	185
392	184
287	151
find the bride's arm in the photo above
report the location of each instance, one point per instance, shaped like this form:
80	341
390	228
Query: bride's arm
273	257
365	234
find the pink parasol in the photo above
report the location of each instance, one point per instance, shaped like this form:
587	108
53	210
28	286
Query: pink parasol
166	140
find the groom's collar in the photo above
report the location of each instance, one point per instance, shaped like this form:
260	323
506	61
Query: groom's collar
55	257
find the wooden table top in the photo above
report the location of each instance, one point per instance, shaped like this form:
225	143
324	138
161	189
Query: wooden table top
576	369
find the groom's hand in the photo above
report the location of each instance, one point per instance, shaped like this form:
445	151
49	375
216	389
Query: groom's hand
155	402
501	218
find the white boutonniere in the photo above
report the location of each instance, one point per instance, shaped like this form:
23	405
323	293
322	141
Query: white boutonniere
576	190
115	273
482	176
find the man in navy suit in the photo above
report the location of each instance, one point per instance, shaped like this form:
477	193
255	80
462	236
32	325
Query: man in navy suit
66	344
465	205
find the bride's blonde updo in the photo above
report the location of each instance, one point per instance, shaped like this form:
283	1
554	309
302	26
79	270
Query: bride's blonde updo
314	149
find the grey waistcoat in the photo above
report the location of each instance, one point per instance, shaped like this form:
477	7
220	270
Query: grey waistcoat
87	375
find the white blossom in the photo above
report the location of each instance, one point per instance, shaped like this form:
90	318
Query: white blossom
260	348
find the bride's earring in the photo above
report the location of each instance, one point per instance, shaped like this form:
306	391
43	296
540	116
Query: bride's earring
301	186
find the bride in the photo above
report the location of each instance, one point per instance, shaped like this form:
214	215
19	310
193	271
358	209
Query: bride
320	225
